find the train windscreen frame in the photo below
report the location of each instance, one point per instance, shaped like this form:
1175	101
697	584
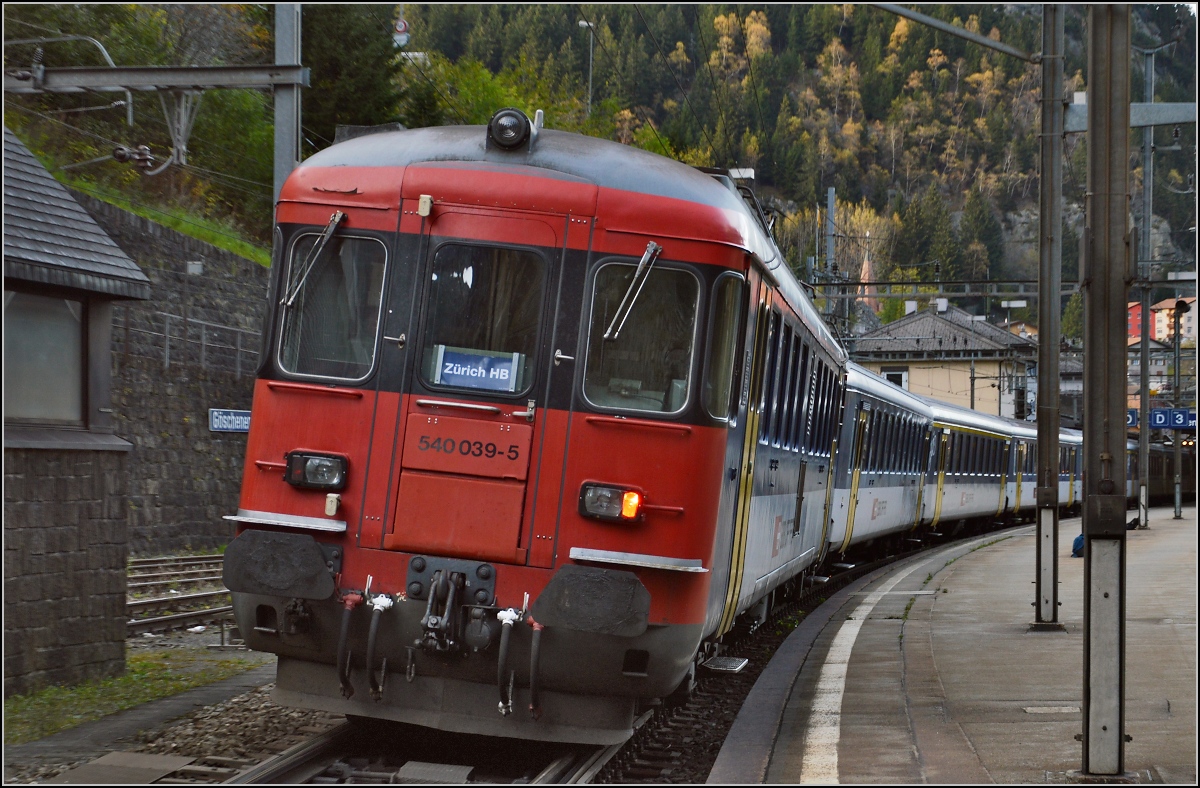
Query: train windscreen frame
484	307
331	308
648	367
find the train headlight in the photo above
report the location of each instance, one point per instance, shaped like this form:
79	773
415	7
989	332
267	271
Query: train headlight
508	128
614	504
316	471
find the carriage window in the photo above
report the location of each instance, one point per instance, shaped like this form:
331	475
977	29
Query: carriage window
798	439
789	428
331	308
728	299
484	308
829	414
648	367
779	417
767	408
818	417
889	453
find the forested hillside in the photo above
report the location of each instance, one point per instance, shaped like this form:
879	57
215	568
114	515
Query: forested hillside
929	141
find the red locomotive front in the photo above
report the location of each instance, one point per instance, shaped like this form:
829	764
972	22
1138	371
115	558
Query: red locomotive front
490	430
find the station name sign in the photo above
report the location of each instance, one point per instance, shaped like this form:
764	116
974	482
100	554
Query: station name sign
223	420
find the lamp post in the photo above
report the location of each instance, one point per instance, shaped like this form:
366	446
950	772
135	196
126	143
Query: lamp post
1181	308
1010	306
1143	269
591	44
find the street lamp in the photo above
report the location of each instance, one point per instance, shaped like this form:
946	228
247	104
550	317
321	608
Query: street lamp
1181	308
591	43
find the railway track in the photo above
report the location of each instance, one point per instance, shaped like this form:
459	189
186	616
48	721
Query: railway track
190	597
672	742
680	742
357	753
174	563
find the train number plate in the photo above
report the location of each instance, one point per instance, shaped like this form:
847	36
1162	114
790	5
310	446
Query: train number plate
468	446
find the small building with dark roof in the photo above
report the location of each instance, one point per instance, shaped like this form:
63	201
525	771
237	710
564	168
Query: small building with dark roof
947	353
65	518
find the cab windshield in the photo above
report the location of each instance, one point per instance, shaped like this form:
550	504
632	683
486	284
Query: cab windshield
331	306
648	366
484	310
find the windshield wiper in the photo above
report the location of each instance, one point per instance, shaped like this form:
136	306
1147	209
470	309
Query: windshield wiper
640	276
318	247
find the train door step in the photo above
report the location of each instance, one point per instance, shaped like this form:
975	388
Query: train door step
726	664
440	773
843	566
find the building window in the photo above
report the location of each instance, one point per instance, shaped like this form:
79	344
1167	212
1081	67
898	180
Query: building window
896	375
43	359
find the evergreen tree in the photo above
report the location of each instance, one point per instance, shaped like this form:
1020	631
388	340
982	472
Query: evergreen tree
353	60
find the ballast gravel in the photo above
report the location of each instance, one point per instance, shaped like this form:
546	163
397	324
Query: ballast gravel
249	726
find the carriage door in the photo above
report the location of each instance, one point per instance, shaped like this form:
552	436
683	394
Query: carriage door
729	556
469	420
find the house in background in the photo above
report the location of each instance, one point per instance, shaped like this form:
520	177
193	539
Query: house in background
947	353
1163	317
65	473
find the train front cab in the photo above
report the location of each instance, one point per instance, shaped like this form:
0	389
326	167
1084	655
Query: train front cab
443	445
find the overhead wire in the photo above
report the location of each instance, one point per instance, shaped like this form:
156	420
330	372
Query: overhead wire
616	65
451	104
716	93
98	192
762	124
670	70
115	143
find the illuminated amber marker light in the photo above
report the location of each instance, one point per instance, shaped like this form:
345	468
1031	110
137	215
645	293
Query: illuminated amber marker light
630	503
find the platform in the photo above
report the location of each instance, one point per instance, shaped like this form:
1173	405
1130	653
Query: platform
930	672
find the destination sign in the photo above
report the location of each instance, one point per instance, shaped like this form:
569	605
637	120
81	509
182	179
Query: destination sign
494	372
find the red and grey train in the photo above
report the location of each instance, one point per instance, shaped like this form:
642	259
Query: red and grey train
540	417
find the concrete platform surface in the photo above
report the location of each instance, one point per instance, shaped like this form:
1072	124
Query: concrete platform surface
930	672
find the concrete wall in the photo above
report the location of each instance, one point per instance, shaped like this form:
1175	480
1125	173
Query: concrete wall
182	477
64	567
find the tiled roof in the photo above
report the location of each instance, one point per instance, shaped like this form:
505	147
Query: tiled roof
950	333
49	238
1169	303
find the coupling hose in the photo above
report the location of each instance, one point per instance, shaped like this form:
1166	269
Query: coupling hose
507	618
349	602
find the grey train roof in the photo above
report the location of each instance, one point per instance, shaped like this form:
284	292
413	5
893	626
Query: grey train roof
605	163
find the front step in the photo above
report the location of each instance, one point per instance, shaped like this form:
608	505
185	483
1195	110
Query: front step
726	664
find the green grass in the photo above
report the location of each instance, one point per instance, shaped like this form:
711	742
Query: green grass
149	675
215	233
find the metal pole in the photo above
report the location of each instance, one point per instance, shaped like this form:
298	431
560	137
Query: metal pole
1143	479
1181	307
1049	316
287	97
1105	298
954	30
973	381
591	46
831	261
